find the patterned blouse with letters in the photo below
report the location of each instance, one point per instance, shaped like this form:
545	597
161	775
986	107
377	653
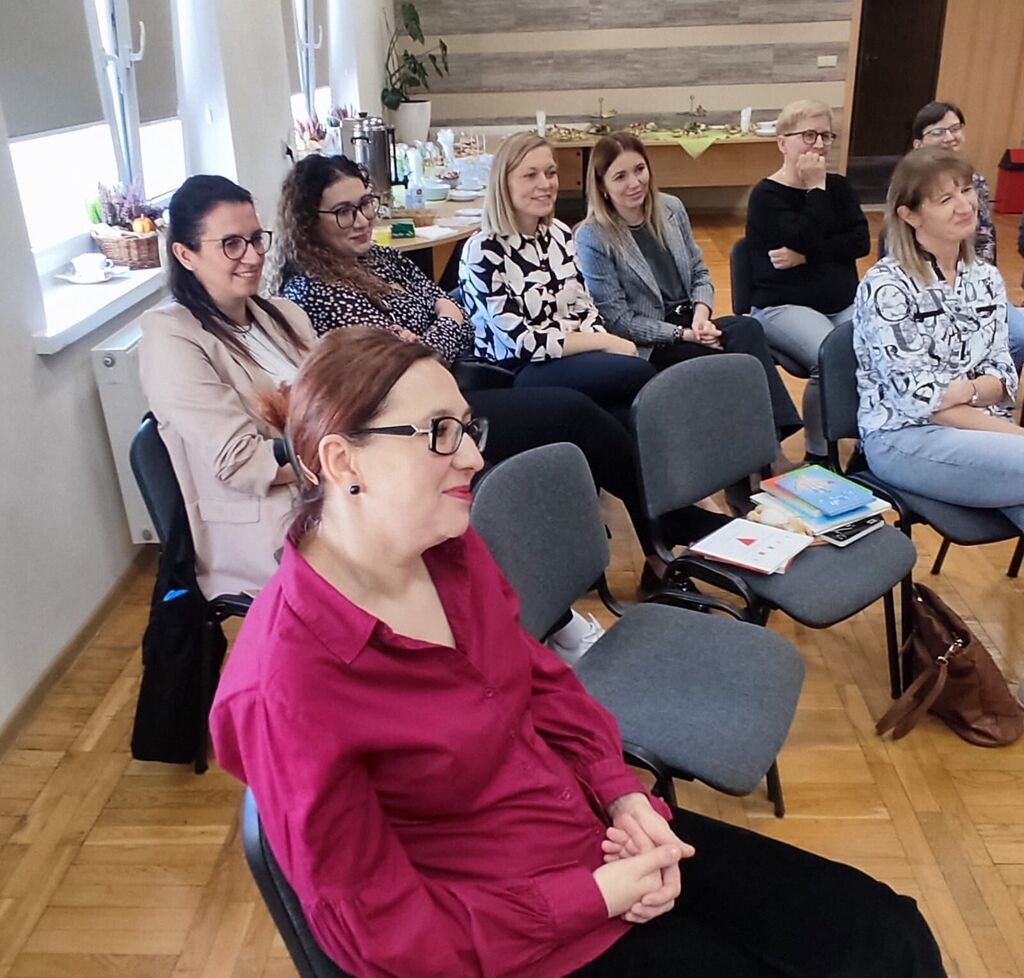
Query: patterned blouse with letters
524	293
411	306
913	340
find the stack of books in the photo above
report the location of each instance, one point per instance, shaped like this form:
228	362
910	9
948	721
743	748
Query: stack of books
829	506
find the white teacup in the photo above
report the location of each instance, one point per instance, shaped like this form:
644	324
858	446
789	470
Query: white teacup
92	266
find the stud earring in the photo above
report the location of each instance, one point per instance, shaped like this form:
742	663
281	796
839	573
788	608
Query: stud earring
355	490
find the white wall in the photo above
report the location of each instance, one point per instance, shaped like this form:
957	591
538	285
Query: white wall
358	38
64	535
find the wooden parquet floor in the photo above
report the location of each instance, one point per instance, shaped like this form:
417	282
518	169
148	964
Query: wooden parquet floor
112	868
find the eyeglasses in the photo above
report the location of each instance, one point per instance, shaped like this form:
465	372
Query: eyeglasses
444	434
235	246
940	131
345	214
811	136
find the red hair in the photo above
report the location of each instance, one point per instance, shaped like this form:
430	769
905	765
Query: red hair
339	389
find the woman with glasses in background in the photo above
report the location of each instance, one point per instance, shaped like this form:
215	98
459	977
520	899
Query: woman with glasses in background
942	124
805	232
206	358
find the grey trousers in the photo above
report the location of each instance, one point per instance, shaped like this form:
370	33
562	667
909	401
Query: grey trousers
798	331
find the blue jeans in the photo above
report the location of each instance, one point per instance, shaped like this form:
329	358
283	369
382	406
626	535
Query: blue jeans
984	469
1015	327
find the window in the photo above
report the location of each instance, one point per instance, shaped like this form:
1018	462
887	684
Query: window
90	96
307	57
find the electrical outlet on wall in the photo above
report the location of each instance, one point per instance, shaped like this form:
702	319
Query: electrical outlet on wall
827	61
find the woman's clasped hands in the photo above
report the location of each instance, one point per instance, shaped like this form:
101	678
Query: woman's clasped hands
640	878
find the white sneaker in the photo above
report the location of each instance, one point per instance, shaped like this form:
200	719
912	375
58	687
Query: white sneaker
573	641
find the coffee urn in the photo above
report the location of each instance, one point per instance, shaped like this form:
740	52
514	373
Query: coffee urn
373	145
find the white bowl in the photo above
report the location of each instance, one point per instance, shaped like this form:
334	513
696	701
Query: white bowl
436	191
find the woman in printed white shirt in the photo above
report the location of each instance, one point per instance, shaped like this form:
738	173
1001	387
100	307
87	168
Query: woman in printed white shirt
935	376
524	292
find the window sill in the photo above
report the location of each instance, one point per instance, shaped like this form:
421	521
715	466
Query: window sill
74	311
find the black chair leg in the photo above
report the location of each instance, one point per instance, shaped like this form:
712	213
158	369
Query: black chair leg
1015	561
940	556
892	647
775	790
205	682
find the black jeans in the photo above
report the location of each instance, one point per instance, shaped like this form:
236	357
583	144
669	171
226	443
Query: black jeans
610	380
740	334
521	419
752	907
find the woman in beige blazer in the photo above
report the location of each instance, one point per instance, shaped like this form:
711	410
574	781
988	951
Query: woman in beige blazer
205	357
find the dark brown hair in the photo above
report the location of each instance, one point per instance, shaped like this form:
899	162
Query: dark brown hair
188	208
300	248
933	112
339	389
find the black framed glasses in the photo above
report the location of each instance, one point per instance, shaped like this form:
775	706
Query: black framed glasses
235	246
811	136
444	434
345	214
939	132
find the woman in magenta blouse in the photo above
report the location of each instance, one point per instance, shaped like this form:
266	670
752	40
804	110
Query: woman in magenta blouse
440	791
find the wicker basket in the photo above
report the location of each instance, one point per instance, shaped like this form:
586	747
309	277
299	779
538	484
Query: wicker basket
134	250
421	217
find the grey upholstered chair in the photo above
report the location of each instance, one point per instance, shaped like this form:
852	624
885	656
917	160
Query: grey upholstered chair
963	525
741	283
281	901
695	696
706	424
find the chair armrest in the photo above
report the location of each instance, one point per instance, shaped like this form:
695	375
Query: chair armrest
712	572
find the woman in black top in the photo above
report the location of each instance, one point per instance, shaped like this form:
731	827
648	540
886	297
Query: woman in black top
805	232
326	263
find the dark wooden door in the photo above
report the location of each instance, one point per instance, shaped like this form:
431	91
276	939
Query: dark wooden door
897	69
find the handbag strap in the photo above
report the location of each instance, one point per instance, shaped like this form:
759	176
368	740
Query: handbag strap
907	711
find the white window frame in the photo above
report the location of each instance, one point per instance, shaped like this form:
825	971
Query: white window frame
305	25
110	39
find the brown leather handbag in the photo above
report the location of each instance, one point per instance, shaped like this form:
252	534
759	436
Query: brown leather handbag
956	680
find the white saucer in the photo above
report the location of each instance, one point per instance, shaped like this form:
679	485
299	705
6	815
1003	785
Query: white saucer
470	212
116	272
464	194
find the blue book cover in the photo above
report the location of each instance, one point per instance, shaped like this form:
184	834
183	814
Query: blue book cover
823	489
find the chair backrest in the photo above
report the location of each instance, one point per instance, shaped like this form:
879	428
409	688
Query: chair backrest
538	514
281	901
837	377
151	466
740	277
701	426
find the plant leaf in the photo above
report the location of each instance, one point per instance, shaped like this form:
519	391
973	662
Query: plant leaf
444	56
411	19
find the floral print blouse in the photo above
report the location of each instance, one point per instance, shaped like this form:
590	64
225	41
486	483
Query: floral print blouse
411	306
524	293
913	340
985	236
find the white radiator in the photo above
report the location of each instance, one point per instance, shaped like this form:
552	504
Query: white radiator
116	365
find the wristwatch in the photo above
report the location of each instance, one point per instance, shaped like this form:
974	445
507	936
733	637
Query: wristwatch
678	333
975	395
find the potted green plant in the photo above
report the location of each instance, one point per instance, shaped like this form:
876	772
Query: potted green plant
407	72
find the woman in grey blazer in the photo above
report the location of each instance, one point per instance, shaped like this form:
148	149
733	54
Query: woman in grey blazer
646	274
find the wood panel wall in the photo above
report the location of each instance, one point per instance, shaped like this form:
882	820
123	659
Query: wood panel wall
982	70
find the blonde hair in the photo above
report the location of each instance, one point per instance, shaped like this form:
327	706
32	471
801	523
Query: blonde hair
803	108
914	179
600	210
499	215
